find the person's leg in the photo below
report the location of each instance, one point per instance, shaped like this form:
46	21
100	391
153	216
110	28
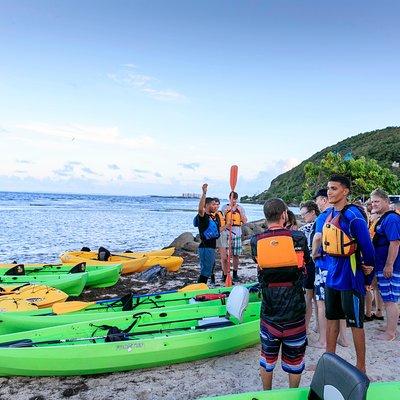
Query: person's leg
309	298
224	260
359	344
379	306
207	260
334	313
353	306
266	378
342	339
293	351
368	305
392	317
294	380
321	343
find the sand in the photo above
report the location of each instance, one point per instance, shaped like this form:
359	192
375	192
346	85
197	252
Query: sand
233	373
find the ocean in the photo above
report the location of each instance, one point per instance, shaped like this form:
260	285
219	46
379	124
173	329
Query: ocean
37	227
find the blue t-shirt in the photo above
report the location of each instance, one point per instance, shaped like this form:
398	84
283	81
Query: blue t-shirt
321	262
386	231
340	275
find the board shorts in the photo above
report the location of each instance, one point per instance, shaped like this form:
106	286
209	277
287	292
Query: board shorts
293	339
389	287
223	241
345	304
207	260
319	283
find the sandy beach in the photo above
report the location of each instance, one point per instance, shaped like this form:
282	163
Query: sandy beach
233	373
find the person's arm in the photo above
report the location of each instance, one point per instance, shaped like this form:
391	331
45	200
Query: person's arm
391	258
253	246
242	215
202	202
316	246
359	230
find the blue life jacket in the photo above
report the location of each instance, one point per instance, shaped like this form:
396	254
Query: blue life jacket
212	231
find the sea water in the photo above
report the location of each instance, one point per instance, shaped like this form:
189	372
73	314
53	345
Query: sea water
37	227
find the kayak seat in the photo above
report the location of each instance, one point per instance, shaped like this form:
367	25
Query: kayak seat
237	302
336	379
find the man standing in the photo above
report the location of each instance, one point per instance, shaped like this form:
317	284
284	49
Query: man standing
345	238
209	232
321	271
235	217
279	253
386	243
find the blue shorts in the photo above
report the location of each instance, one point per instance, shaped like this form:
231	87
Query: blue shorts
207	260
389	288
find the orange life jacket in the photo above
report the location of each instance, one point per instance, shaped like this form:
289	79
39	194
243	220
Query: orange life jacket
220	215
277	251
235	216
335	241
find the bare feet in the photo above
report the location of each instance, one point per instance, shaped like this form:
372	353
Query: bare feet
318	345
343	342
385	336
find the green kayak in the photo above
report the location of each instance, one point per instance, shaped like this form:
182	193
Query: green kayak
150	338
12	322
71	284
376	391
97	276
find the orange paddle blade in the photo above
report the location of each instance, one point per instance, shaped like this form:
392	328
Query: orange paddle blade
228	280
233	177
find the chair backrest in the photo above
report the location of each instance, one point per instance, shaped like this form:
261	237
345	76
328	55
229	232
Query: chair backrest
336	379
237	302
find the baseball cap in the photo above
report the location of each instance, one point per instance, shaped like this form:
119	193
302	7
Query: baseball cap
321	192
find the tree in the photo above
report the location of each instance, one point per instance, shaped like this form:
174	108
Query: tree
365	174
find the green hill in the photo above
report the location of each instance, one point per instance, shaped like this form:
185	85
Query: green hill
383	145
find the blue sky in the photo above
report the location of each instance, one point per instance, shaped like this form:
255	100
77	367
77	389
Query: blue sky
156	97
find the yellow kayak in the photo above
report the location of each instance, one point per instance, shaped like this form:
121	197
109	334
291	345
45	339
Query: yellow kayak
93	255
39	295
129	265
10	304
171	263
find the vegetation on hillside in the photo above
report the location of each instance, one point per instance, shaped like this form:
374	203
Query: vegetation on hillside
381	145
365	175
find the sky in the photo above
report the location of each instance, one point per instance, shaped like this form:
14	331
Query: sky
156	97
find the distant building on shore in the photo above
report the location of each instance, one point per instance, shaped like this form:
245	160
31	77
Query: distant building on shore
191	195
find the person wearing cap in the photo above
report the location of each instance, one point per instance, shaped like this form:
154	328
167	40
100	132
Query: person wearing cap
351	259
321	270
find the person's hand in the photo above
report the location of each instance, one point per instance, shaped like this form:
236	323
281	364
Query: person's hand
368	288
367	269
204	188
388	271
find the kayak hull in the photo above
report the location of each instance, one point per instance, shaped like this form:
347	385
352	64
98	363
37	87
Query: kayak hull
376	391
172	340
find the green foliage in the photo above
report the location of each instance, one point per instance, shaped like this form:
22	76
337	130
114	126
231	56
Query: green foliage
381	145
365	174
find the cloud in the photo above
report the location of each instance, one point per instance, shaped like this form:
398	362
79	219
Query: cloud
74	163
158	175
89	171
24	162
142	171
191	166
144	83
97	134
19	171
113	167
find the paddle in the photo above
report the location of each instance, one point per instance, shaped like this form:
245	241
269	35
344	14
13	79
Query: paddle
232	182
122	335
73	306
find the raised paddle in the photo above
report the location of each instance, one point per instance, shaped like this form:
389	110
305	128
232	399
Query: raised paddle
73	306
232	182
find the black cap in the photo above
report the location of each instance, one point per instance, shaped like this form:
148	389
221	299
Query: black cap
321	192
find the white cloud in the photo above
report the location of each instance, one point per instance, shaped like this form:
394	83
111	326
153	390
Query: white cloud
144	83
98	134
191	166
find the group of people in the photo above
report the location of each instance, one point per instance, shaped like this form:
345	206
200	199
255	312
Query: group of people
220	229
340	253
